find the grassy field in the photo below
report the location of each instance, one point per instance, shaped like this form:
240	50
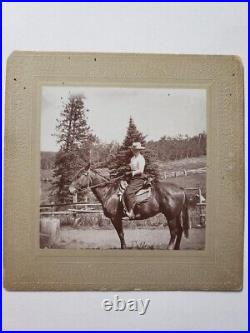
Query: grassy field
197	180
191	180
186	163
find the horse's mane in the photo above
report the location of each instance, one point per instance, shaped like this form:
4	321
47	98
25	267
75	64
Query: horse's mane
103	172
114	185
77	173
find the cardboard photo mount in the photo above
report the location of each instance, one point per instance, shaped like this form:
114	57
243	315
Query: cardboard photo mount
218	267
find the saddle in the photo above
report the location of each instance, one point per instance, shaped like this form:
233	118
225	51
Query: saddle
142	195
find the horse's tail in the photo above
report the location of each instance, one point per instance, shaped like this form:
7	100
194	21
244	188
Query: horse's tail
185	217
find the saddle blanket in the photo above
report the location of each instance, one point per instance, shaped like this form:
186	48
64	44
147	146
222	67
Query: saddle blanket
142	195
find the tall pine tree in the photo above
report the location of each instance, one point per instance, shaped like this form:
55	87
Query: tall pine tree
120	164
75	139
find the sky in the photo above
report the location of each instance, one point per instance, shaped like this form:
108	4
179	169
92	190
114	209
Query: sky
156	112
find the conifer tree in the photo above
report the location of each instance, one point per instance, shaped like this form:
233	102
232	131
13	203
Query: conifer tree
75	139
120	164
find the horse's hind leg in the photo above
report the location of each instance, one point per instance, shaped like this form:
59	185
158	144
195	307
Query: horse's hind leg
173	234
117	222
179	230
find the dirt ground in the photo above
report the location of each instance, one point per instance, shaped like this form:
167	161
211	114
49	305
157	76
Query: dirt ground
135	239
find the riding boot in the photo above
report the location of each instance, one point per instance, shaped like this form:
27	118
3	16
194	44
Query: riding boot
131	214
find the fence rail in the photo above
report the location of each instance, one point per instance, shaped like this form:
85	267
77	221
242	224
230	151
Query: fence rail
70	204
74	210
184	172
71	211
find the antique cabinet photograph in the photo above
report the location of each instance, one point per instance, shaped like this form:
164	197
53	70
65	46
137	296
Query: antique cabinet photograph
123	172
124	167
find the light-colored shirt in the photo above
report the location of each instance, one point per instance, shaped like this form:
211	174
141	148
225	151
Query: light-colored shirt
137	164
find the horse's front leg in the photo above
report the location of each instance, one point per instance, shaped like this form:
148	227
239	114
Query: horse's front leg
117	222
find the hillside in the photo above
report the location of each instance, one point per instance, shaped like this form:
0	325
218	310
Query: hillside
186	163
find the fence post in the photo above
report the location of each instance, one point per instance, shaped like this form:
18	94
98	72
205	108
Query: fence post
53	209
201	207
75	198
199	191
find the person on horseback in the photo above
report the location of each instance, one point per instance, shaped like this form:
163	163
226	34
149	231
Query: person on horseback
136	178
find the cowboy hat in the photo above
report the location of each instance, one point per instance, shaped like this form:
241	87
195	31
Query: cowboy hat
137	146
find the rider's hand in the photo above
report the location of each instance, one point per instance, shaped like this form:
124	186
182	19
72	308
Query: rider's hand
128	173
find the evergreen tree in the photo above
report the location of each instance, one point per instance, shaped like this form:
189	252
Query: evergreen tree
133	135
120	163
75	139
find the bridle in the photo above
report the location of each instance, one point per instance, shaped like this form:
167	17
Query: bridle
89	180
89	186
86	174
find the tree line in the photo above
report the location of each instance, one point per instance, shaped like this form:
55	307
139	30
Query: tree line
179	147
165	149
78	145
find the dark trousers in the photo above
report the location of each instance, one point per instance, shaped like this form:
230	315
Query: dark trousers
134	186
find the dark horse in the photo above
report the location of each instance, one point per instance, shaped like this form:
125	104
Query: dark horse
166	198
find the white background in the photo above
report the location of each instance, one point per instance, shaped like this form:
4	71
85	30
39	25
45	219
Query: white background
195	28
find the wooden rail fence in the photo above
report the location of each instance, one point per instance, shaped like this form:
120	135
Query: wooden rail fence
96	208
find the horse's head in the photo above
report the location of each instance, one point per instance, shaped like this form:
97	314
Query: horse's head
81	180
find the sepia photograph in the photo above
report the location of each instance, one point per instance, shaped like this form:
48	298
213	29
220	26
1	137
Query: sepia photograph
123	168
